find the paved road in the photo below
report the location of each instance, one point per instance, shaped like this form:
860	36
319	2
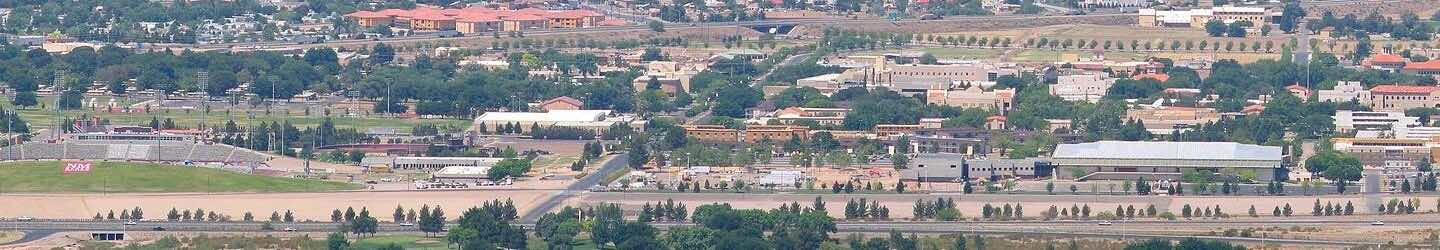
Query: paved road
1119	229
100	226
29	236
612	164
433	37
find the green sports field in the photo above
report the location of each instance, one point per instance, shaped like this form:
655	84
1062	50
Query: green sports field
127	177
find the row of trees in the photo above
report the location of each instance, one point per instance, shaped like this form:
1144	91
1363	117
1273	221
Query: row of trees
860	210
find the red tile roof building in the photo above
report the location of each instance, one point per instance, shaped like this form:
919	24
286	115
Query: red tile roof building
1162	77
1299	91
476	19
1428	68
1402	97
1389	62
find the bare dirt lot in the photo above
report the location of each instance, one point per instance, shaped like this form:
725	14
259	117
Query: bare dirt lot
307	206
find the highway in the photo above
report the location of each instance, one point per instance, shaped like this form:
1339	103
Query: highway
1071	228
286	45
612	164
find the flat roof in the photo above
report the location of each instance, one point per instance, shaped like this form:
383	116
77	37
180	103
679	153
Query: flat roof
1135	150
551	116
442	160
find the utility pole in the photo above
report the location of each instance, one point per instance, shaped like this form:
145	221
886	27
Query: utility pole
56	84
202	78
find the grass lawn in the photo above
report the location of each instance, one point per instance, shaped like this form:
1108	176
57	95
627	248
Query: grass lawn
438	243
8	236
44	118
963	53
405	241
1039	55
46	177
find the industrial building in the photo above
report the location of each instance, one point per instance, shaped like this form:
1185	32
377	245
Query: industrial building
958	168
405	162
1167	160
1196	18
597	121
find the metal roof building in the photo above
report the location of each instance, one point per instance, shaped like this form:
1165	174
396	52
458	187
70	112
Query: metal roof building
1129	160
406	162
959	167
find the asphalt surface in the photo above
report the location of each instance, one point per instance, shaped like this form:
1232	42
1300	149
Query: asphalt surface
32	235
590	180
1089	228
286	45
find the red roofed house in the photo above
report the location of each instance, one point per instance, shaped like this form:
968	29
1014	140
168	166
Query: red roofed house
996	122
1253	109
1162	77
1426	68
1386	62
1401	97
562	103
1299	91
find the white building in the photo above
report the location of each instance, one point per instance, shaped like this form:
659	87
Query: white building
1196	18
1347	120
1114	3
1346	91
1083	87
409	162
594	120
1417	132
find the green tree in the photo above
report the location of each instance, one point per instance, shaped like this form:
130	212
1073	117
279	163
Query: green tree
336	241
1215	28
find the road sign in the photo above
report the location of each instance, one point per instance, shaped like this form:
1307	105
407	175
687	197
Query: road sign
77	167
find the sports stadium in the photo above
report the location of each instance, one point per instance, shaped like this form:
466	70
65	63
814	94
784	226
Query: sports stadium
130	143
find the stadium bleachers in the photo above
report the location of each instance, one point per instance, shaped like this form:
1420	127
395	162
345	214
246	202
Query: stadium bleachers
173	151
117	152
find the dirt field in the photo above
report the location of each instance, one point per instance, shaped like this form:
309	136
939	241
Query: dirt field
307	206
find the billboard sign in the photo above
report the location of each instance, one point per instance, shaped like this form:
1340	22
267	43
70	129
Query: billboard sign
72	167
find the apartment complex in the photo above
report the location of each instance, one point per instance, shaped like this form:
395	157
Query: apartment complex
1196	18
1082	87
476	19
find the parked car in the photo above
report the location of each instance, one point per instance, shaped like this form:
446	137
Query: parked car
157	229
